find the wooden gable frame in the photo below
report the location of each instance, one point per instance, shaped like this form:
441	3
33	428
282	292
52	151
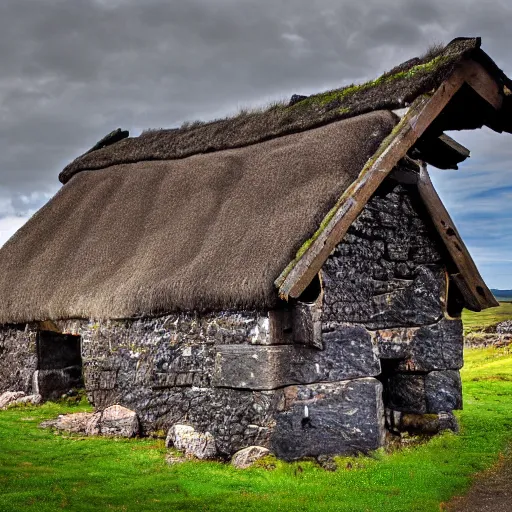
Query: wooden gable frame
313	254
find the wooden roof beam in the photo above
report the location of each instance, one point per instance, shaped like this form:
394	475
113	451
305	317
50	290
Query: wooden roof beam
483	83
442	152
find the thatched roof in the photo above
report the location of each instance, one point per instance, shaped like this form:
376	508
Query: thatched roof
207	217
206	232
393	90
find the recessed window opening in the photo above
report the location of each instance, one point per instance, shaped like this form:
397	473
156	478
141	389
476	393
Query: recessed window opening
312	292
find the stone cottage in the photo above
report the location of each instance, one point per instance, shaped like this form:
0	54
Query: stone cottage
281	278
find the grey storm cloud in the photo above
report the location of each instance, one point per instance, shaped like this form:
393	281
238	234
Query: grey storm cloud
71	71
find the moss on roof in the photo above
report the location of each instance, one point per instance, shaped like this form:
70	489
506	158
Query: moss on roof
394	89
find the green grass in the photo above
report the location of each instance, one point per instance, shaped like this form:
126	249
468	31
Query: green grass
43	471
487	318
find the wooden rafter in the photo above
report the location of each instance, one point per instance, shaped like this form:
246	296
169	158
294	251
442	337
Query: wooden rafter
483	83
295	278
454	145
442	152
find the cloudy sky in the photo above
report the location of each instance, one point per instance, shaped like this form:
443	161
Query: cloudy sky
71	71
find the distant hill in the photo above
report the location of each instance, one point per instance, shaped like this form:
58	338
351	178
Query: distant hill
502	294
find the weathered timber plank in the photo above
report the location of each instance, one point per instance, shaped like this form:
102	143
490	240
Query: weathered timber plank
441	152
476	293
454	145
423	111
483	83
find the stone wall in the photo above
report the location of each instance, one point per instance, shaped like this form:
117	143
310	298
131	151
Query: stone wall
388	275
17	357
221	373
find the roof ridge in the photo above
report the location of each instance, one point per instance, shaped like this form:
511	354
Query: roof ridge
395	89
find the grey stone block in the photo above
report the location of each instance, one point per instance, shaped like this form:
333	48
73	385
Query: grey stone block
443	391
348	353
406	392
422	349
394	343
329	419
436	347
437	391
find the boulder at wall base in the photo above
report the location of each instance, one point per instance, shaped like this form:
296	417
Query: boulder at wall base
194	444
9	397
248	456
29	400
75	423
422	424
114	421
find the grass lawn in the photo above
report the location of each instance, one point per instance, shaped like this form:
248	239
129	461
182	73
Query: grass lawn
43	471
489	317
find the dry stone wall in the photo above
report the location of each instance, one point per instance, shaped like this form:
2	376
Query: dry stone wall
173	370
18	359
389	276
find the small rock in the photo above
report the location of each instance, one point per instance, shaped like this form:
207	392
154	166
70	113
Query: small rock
193	444
29	399
504	327
422	424
327	462
176	433
9	397
76	423
172	459
248	456
295	99
114	421
448	421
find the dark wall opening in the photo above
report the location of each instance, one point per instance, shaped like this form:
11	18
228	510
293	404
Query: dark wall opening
312	292
59	364
56	351
389	368
455	300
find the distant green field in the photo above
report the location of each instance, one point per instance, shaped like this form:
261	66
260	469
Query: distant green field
488	318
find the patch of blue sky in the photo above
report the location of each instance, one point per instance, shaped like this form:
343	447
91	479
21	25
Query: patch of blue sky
479	199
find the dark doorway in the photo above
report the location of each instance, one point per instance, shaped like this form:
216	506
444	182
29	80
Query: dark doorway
59	364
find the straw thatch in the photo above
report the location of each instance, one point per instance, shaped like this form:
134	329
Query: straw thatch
205	232
395	89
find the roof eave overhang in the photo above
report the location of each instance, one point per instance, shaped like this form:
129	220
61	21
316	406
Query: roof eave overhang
425	109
